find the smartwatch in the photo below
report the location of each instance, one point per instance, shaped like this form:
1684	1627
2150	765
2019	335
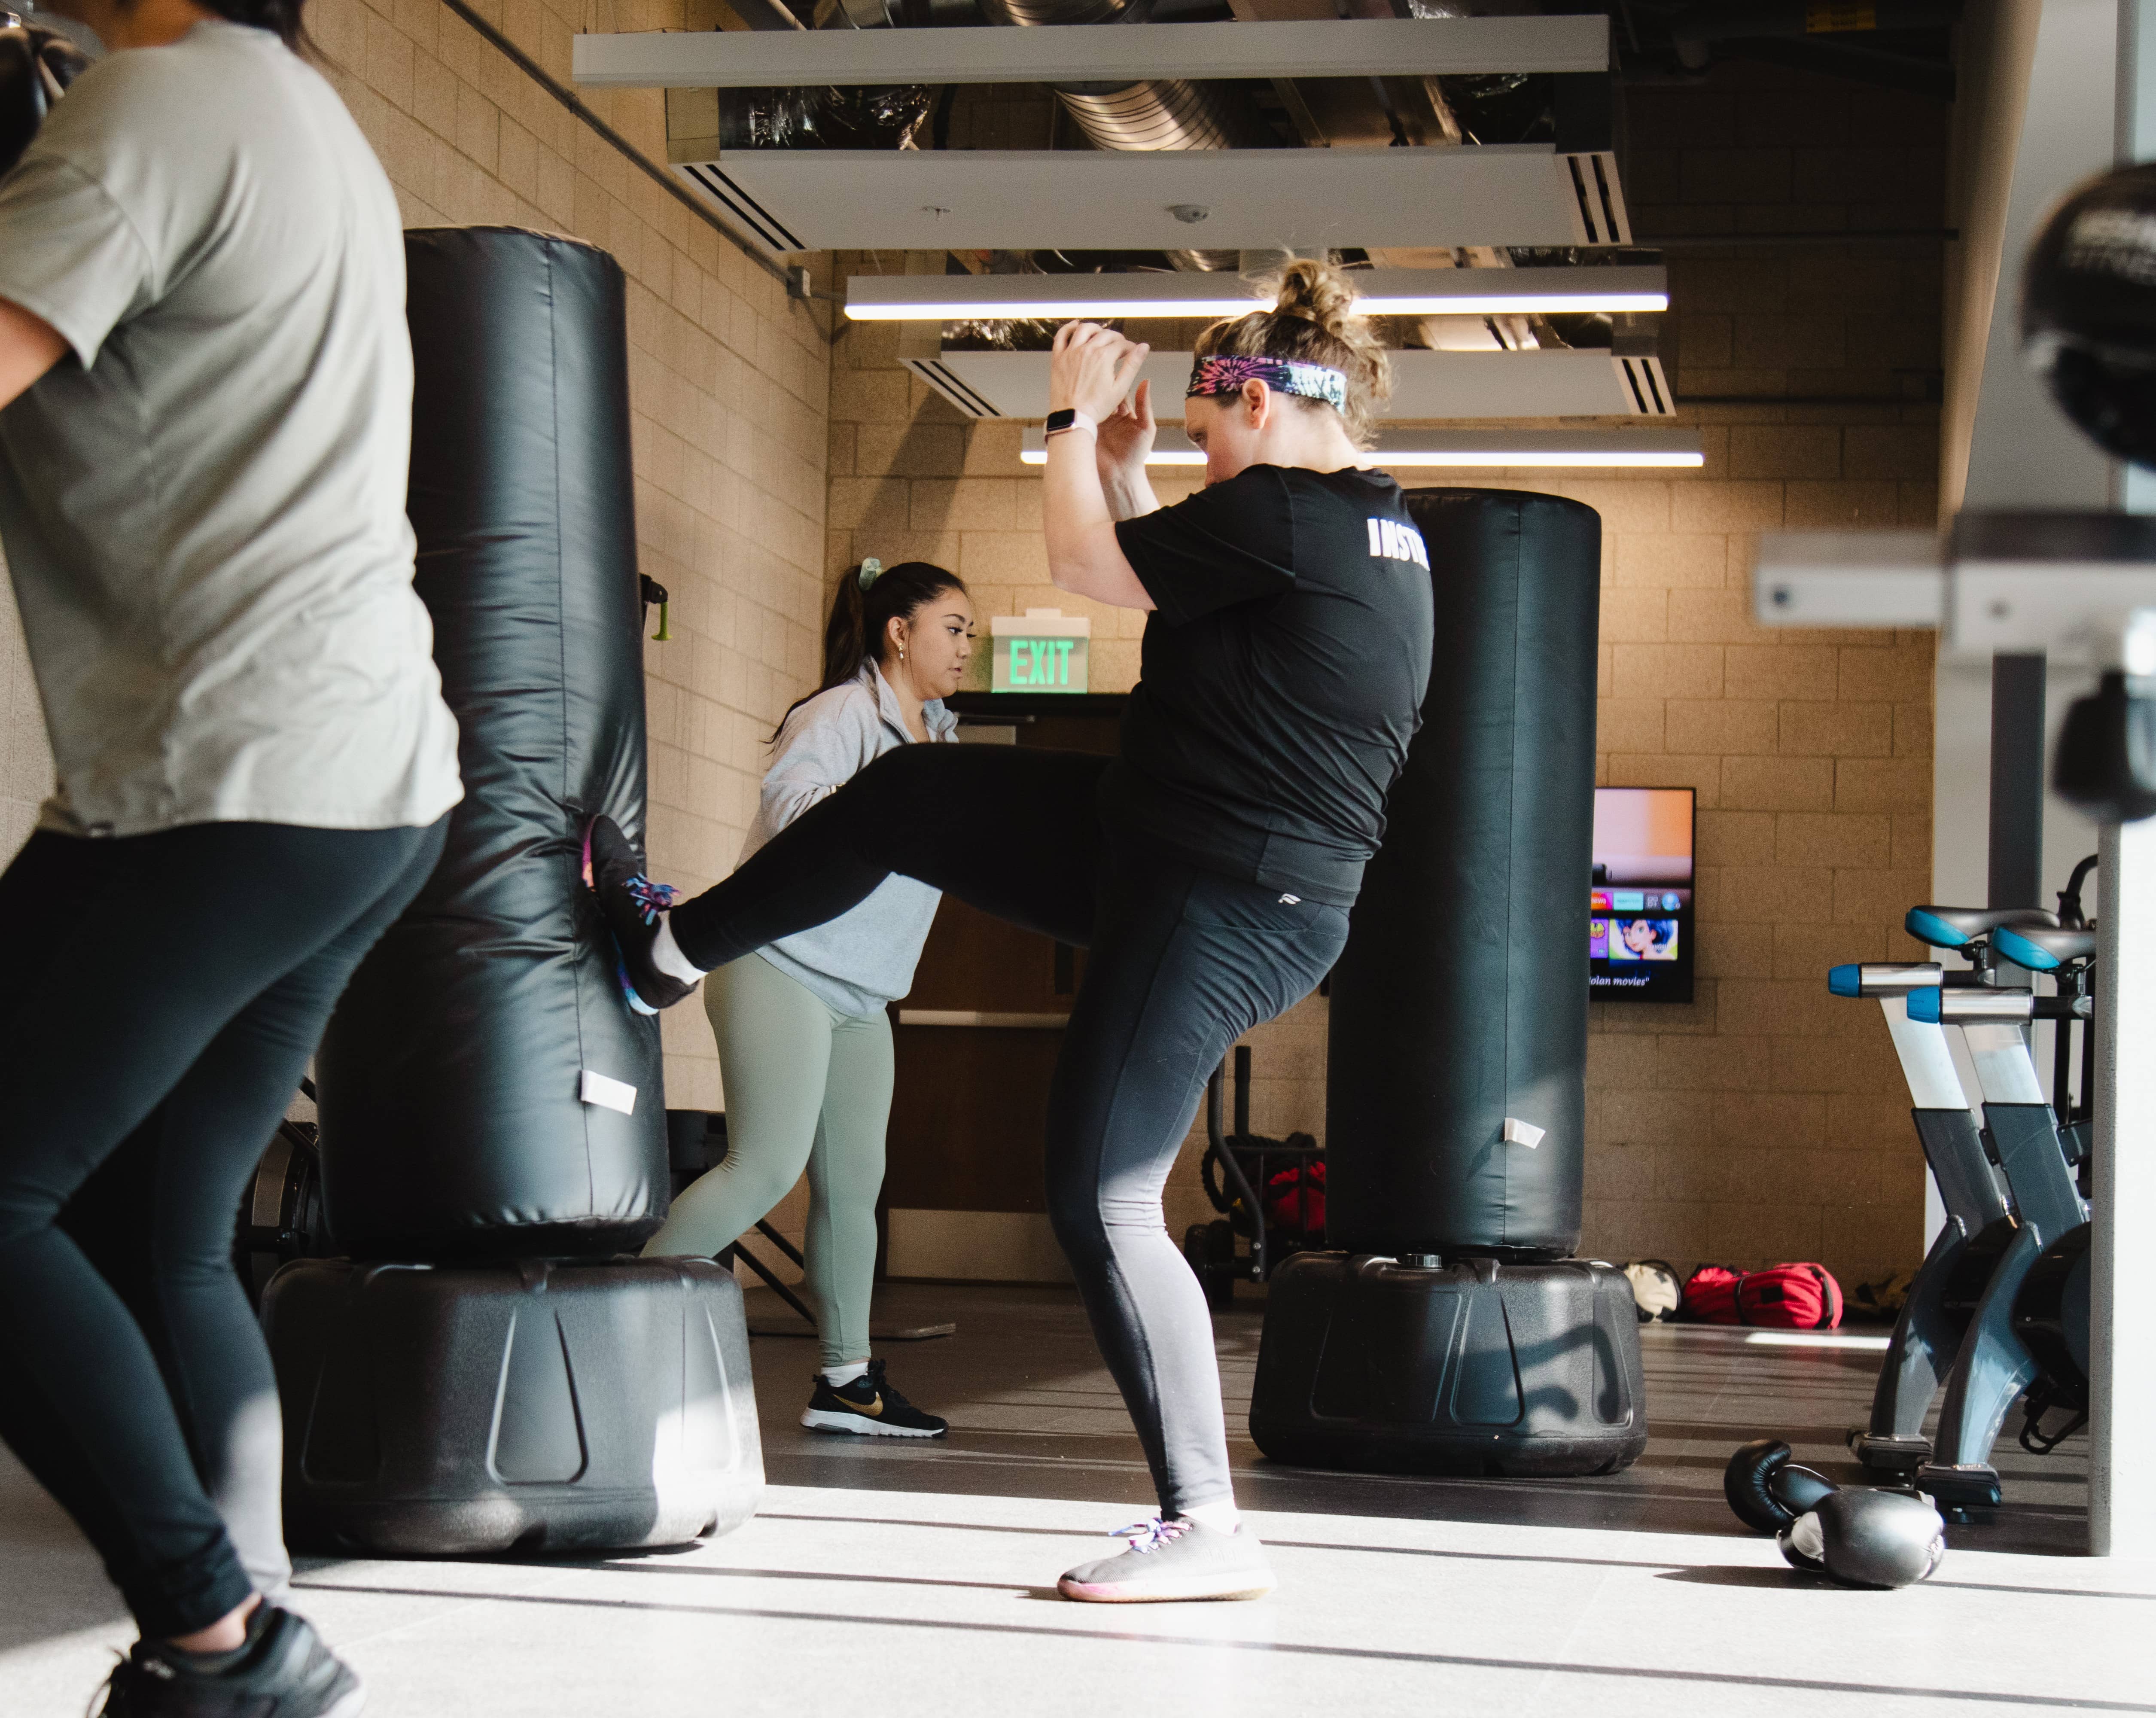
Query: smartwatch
1069	418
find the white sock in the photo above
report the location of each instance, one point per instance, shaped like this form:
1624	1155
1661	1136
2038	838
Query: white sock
838	1377
1222	1516
666	954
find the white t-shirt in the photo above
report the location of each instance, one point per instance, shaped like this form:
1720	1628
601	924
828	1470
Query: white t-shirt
202	505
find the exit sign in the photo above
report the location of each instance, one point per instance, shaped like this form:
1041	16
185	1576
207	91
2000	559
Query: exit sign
1043	650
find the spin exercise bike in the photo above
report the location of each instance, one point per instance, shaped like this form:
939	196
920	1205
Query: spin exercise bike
1998	1309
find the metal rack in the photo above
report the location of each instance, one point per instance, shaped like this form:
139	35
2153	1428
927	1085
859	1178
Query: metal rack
1234	1168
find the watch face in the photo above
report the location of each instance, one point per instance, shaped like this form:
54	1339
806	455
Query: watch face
1061	420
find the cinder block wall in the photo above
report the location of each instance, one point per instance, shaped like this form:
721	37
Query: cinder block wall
1764	1121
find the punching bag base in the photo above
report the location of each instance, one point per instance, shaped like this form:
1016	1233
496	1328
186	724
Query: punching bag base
531	1407
1475	1367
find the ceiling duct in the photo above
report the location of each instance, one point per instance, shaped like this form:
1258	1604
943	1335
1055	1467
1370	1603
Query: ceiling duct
1158	114
1189	158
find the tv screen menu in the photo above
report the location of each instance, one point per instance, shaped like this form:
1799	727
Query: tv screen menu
1639	930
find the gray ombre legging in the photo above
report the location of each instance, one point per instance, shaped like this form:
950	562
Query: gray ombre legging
807	1087
1183	960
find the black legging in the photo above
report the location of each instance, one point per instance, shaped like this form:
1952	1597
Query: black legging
179	980
1184	961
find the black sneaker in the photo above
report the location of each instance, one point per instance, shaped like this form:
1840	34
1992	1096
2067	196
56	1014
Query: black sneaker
868	1408
630	903
284	1671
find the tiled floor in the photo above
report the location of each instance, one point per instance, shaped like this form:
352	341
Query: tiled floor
889	1578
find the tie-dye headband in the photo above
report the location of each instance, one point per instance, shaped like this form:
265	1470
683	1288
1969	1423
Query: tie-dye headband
1313	381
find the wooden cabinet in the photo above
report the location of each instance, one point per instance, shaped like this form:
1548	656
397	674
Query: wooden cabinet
976	1049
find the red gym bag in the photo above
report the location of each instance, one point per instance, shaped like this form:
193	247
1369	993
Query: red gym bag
1782	1297
1790	1297
1710	1294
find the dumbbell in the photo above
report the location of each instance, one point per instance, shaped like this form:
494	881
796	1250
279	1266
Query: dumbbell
1859	1536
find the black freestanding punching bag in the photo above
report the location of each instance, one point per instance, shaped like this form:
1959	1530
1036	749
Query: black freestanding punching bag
483	1371
457	1117
1448	1328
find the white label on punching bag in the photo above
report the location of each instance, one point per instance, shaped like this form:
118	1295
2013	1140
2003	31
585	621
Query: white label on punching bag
1522	1133
609	1094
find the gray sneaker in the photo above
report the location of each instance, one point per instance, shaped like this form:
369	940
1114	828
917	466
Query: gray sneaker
1175	1558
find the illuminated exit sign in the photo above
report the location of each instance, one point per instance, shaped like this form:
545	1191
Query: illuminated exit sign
1042	650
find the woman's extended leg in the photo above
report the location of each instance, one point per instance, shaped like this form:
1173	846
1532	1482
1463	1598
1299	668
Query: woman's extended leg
1010	829
1183	963
774	1039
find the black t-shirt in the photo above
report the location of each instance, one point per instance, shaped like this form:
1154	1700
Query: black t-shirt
1285	666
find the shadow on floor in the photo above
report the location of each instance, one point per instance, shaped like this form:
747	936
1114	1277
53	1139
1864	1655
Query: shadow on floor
1035	1414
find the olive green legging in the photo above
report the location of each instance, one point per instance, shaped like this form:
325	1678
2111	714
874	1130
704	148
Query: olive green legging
805	1085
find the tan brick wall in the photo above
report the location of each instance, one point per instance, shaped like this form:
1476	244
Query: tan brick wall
1764	1120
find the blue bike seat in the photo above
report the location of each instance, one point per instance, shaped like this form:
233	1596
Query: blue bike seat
1957	927
2041	950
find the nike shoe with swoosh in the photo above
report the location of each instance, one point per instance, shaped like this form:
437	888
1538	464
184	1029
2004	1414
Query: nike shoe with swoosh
868	1408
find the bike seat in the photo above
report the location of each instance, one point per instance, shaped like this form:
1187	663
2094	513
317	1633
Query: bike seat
1957	927
2042	950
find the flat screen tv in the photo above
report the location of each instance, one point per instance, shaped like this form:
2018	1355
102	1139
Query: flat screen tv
1640	936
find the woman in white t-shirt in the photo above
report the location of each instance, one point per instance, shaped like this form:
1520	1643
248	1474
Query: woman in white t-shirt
205	424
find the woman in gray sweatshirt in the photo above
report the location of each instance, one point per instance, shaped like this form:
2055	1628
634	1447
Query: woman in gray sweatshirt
802	1030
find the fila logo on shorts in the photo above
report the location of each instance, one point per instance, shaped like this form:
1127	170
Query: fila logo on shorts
1391	540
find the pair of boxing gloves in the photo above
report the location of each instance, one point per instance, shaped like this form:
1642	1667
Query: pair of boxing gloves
36	66
1855	1535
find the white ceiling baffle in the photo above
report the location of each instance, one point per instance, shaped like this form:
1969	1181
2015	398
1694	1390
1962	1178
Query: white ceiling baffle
1085	53
1427	385
1246	199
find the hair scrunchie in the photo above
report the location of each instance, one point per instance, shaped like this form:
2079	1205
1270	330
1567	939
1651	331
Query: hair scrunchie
871	571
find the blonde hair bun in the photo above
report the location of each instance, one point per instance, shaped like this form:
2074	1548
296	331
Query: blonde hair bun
1318	292
1314	321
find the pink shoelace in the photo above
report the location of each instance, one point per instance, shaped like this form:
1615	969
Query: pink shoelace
1150	1535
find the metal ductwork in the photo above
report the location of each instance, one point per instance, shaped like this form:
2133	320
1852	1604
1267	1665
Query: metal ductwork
1158	114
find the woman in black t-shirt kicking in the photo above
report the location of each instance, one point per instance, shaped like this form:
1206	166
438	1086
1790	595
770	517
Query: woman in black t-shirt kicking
1209	867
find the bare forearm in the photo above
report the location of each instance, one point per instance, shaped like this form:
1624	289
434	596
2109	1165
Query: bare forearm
1084	557
1131	497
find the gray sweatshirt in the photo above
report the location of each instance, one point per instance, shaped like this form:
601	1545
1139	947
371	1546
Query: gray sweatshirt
863	959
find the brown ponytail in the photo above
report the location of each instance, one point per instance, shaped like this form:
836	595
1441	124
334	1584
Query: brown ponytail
860	624
280	18
1313	321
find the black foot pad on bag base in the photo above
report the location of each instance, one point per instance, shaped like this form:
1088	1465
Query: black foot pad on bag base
1884	1453
435	1410
1475	1367
1972	1487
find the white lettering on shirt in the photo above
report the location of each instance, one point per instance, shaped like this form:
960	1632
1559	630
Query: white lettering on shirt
1391	540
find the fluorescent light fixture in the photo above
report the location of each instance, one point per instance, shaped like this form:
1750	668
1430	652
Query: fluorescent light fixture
1382	292
1799	1339
1494	450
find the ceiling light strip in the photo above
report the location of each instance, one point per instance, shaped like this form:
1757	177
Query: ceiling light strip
1386	292
1456	450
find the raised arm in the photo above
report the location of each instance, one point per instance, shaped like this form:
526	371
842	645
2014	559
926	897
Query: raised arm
1090	371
